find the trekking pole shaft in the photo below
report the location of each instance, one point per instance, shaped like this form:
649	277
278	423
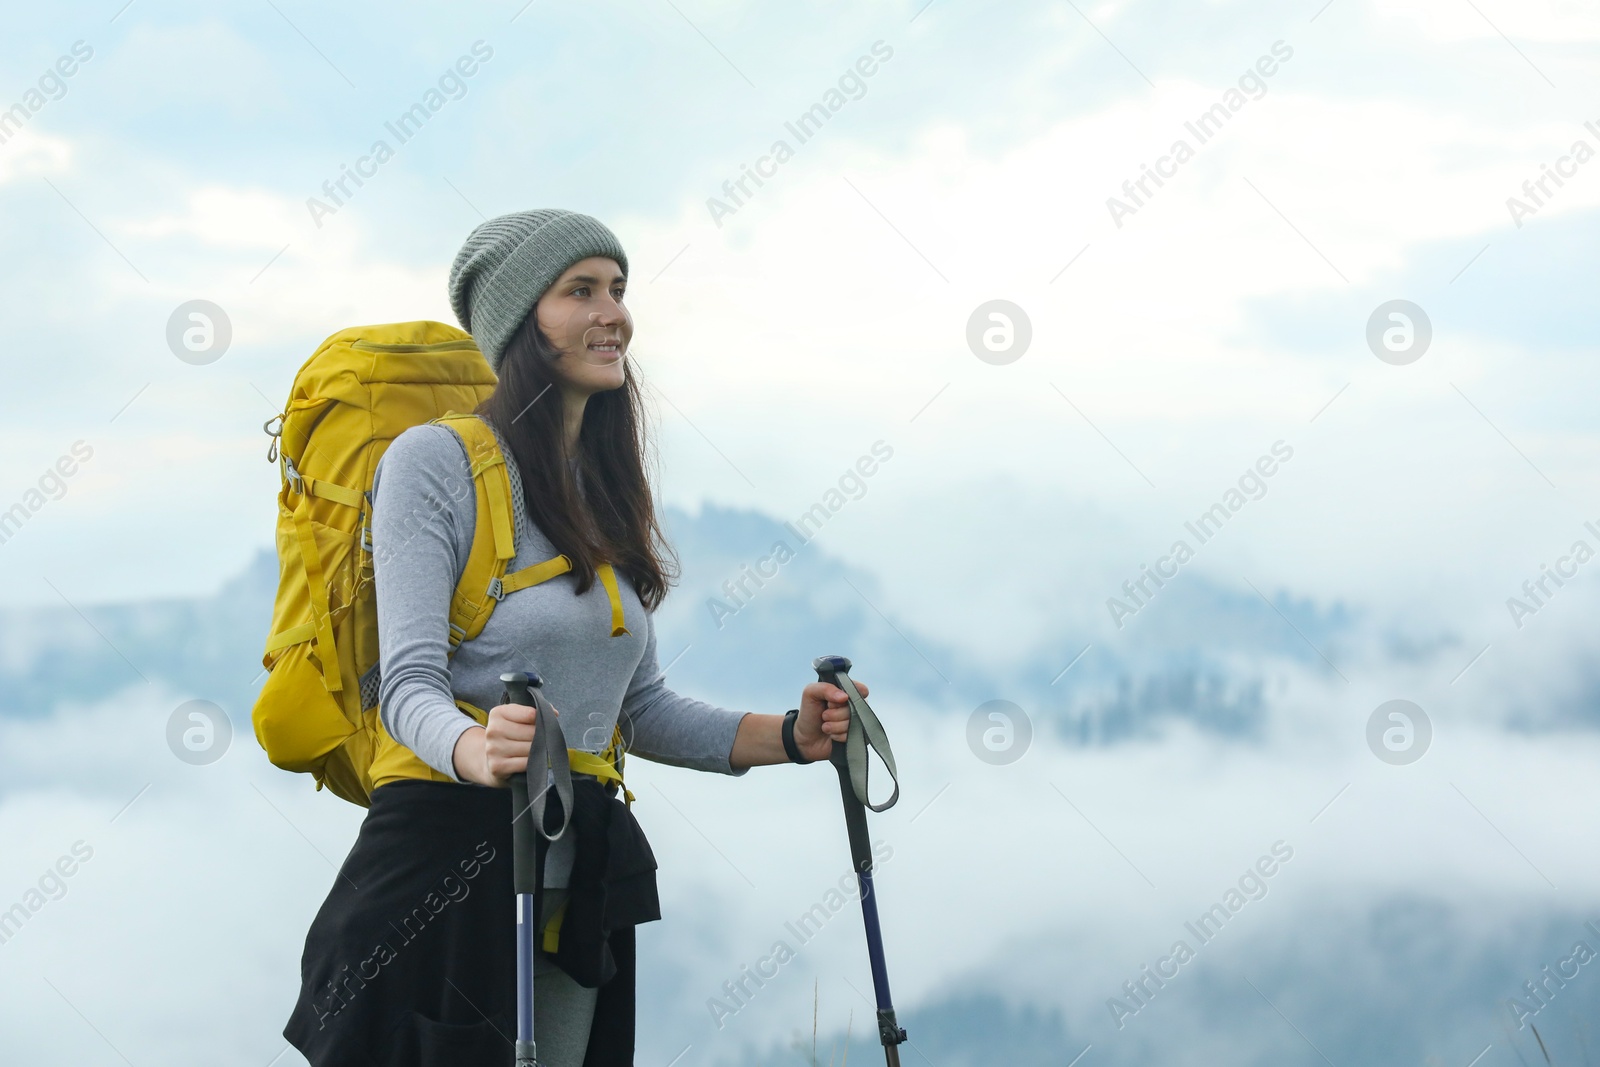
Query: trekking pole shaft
527	858
529	907
527	921
889	1032
869	918
855	820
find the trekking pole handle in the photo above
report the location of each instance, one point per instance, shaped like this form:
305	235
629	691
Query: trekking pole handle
519	690
548	760
865	732
520	686
828	669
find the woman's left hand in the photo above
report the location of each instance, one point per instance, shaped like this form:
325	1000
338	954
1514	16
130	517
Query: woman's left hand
824	718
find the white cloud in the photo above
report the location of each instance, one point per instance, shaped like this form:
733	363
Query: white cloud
27	153
217	869
811	325
1554	22
257	254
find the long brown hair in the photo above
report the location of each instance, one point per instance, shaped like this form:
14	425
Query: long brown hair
615	518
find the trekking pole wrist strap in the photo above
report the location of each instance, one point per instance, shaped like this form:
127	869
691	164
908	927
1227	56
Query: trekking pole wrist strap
865	732
789	746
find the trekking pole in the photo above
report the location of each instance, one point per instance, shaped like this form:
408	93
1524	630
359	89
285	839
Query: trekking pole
850	760
530	834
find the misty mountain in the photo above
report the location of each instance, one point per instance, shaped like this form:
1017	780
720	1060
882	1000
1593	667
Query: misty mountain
1203	652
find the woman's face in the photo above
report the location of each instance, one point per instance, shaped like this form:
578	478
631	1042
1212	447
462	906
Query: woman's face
583	316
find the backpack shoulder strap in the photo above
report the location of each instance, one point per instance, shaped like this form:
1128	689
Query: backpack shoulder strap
485	581
493	542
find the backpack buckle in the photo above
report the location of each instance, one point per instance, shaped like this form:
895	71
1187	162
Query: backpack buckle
496	589
366	522
292	476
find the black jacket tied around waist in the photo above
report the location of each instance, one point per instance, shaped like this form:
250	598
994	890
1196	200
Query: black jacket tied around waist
411	961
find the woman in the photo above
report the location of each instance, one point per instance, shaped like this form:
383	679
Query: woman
410	961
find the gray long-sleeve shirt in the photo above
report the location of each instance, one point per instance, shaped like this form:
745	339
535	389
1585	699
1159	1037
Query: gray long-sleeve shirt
424	511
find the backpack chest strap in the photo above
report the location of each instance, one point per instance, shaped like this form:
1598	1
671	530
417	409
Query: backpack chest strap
528	576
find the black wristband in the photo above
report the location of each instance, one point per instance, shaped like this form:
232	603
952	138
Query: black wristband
788	737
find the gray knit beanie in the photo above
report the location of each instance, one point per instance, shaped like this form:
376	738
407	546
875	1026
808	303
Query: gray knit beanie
509	261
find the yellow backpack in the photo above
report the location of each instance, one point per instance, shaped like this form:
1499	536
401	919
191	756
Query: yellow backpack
318	710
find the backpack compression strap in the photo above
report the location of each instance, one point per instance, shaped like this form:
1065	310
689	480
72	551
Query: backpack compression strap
321	624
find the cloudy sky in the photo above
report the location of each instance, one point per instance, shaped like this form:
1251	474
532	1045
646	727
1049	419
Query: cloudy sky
1155	344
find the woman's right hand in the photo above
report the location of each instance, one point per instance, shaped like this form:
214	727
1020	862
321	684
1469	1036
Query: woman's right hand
491	756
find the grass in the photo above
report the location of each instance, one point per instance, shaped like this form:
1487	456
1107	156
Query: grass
799	1046
1544	1049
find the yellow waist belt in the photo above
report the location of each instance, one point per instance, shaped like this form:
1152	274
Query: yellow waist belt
605	765
394	762
601	765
